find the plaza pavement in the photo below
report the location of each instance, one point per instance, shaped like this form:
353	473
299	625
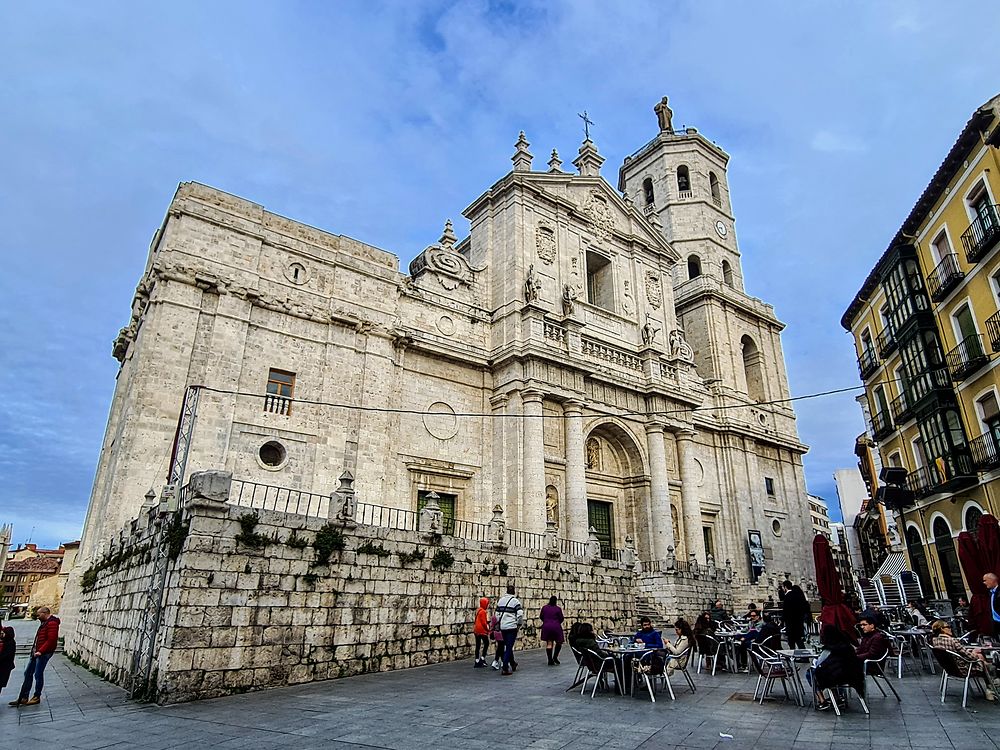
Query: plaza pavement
454	706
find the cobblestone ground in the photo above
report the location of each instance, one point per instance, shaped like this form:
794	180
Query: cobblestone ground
454	706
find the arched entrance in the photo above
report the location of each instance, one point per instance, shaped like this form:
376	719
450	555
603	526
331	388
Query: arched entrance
948	559
915	546
617	489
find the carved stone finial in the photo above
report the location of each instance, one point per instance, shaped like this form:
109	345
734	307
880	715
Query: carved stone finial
555	163
431	520
589	161
344	501
498	529
593	545
522	156
551	540
448	238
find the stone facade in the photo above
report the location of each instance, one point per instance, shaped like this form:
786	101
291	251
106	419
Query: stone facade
563	362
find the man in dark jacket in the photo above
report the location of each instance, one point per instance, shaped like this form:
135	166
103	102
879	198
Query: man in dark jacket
873	644
41	651
794	608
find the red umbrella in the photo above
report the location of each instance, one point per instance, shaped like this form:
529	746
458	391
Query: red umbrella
834	612
970	556
989	544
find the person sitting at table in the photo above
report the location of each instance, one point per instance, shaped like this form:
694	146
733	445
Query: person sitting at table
838	664
582	638
752	607
704	625
719	613
875	613
744	641
874	644
685	639
918	613
944	638
648	635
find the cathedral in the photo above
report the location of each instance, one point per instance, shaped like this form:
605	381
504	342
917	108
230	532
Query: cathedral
577	353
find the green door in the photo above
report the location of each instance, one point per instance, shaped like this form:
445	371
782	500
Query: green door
599	518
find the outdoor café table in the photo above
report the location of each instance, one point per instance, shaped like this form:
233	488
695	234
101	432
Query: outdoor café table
727	640
623	656
791	658
918	642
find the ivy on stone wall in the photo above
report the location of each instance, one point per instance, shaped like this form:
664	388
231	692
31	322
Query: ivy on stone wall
329	539
442	560
248	535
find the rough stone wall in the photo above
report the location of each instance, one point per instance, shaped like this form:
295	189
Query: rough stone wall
238	618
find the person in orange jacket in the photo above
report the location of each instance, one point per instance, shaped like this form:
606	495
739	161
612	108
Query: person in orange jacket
482	632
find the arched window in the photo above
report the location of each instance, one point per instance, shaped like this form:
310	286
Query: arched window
915	546
713	183
694	266
948	559
753	369
647	191
727	273
683	179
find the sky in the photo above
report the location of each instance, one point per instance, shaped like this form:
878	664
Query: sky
379	120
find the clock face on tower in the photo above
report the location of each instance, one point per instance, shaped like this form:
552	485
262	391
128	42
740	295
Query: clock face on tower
721	228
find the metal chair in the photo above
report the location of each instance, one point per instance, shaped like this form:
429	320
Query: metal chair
901	647
679	663
581	669
769	668
650	667
832	697
875	668
708	648
955	666
596	664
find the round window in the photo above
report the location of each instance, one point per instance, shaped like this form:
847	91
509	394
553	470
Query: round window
776	527
272	454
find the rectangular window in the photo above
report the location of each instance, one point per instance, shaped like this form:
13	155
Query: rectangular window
446	501
769	486
600	281
709	541
280	390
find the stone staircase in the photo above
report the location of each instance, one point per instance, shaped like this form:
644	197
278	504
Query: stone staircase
646	608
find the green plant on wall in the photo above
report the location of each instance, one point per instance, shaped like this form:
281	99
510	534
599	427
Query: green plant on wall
176	533
370	548
405	558
502	567
329	539
442	560
295	541
248	535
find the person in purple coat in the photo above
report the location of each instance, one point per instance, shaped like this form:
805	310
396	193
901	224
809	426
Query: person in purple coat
552	630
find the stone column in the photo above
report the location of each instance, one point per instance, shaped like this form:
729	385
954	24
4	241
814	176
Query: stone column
694	541
659	492
533	480
576	473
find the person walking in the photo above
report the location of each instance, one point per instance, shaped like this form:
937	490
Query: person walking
794	609
7	649
992	583
481	631
41	651
552	630
511	613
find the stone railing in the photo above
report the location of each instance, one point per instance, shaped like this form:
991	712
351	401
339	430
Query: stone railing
610	354
555	333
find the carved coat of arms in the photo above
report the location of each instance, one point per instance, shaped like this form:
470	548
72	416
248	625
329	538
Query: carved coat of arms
653	291
602	216
545	243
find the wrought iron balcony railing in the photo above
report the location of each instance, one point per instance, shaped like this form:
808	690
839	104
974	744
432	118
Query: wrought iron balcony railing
982	234
993	331
902	408
885	342
941	474
967	357
985	451
945	277
882	426
867	362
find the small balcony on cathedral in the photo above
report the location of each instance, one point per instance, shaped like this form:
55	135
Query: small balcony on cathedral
983	233
966	358
945	277
985	451
885	342
882	426
993	331
278	404
867	363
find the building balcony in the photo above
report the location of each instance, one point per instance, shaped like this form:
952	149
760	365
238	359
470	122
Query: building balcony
982	234
993	331
967	357
932	388
882	426
885	342
867	363
985	452
945	474
911	315
278	404
945	277
902	408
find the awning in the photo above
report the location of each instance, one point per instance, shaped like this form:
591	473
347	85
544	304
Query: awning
892	566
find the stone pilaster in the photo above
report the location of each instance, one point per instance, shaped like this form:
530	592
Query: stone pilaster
576	473
659	491
694	542
533	497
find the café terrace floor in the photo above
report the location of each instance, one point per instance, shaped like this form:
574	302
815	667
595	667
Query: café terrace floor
455	706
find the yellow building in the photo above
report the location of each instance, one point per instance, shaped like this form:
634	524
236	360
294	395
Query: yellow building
926	328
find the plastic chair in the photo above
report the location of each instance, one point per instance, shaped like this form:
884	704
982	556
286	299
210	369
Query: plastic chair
596	664
651	666
875	668
955	666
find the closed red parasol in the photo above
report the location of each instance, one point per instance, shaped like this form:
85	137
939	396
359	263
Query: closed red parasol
989	544
835	612
971	558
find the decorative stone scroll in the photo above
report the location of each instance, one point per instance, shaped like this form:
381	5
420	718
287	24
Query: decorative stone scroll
441	259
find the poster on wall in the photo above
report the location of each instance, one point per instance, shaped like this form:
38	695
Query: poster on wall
755	546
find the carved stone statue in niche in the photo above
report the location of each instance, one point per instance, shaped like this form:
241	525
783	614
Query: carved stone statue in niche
552	505
569	297
594	454
628	304
680	348
532	285
673	523
649	332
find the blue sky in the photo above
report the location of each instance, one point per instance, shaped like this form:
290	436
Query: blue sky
379	120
